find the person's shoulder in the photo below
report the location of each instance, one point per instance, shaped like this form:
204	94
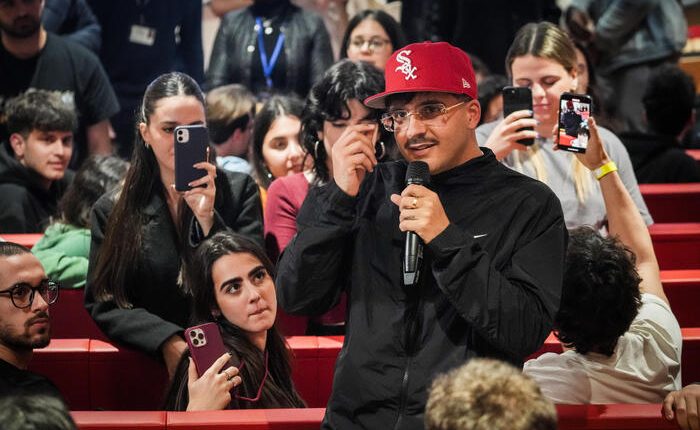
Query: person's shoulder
484	131
231	19
106	202
290	182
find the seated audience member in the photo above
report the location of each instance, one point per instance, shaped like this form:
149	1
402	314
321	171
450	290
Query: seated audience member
333	113
31	57
74	20
623	343
276	151
34	161
487	394
143	231
232	285
25	296
491	97
34	412
64	248
230	112
251	49
372	36
543	58
684	405
657	155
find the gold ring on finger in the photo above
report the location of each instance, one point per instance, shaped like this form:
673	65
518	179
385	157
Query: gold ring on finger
228	377
414	203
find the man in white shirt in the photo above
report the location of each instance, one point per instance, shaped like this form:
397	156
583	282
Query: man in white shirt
622	342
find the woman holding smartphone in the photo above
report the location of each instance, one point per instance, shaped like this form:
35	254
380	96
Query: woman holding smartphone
144	231
232	285
543	58
333	113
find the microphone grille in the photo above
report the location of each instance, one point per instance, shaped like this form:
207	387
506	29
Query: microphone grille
418	172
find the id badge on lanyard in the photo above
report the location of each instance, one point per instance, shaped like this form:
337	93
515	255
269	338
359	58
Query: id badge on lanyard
140	33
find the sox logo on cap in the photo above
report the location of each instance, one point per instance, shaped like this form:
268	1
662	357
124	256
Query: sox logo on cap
406	67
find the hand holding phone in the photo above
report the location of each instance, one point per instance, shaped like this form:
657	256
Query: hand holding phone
516	99
191	147
574	111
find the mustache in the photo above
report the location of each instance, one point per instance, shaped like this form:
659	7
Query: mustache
40	316
420	139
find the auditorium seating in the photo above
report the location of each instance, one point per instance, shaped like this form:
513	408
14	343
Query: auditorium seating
682	287
69	319
671	203
27	240
677	246
94	374
571	417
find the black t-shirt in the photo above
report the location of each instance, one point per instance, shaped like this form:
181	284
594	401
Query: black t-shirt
15	381
61	66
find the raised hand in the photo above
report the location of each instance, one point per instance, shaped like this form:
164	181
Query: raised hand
353	156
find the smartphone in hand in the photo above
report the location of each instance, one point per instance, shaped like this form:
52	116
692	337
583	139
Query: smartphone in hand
206	346
574	111
515	99
191	147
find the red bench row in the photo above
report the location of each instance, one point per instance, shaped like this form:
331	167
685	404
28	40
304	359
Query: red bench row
70	320
571	417
93	374
672	202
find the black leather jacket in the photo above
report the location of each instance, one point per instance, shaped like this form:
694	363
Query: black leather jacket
307	49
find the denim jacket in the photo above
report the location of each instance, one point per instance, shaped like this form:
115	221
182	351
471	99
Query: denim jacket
630	32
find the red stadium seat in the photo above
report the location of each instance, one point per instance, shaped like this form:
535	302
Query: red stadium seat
677	246
69	319
257	419
28	239
612	417
123	379
682	288
65	363
672	202
108	420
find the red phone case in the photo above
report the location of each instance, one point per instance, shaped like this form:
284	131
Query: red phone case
205	345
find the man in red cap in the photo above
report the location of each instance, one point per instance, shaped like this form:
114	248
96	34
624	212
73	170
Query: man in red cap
494	243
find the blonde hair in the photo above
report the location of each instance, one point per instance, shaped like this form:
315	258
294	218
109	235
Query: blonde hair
581	175
229	102
546	40
488	394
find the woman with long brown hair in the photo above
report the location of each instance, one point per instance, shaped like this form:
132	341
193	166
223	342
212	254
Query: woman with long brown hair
142	233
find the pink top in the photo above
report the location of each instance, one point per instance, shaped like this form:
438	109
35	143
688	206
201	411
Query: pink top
285	196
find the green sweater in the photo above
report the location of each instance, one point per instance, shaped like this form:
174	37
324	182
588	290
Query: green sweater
64	251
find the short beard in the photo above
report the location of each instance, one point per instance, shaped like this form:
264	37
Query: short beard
23	342
23	32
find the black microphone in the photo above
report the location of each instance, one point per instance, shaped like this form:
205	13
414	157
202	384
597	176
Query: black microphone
417	173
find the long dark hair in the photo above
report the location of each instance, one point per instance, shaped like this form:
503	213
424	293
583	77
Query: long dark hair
389	24
328	101
278	390
275	107
98	174
120	252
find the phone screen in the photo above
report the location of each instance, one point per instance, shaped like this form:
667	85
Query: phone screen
515	99
574	111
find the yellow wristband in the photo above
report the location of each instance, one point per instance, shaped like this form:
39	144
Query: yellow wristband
606	168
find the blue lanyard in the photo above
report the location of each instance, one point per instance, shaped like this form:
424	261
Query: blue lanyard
268	67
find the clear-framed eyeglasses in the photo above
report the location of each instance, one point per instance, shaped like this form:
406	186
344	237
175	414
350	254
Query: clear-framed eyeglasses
373	44
22	294
430	114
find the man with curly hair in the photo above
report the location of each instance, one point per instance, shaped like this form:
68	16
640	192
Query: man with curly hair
488	394
622	342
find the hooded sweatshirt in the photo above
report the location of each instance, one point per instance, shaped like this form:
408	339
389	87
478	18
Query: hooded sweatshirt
25	206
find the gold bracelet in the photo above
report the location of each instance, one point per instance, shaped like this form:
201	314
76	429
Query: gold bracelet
606	168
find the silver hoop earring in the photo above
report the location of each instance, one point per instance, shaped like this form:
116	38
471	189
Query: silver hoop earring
146	145
382	151
316	149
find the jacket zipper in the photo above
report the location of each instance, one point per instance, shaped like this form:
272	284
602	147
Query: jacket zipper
404	392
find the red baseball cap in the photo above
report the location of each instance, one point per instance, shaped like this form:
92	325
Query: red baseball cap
427	67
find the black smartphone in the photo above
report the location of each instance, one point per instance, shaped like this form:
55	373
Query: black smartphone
515	99
574	111
191	147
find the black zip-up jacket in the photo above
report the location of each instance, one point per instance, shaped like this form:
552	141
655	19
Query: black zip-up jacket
307	51
25	205
491	283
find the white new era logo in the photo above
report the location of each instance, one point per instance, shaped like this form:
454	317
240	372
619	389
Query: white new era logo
406	67
465	84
